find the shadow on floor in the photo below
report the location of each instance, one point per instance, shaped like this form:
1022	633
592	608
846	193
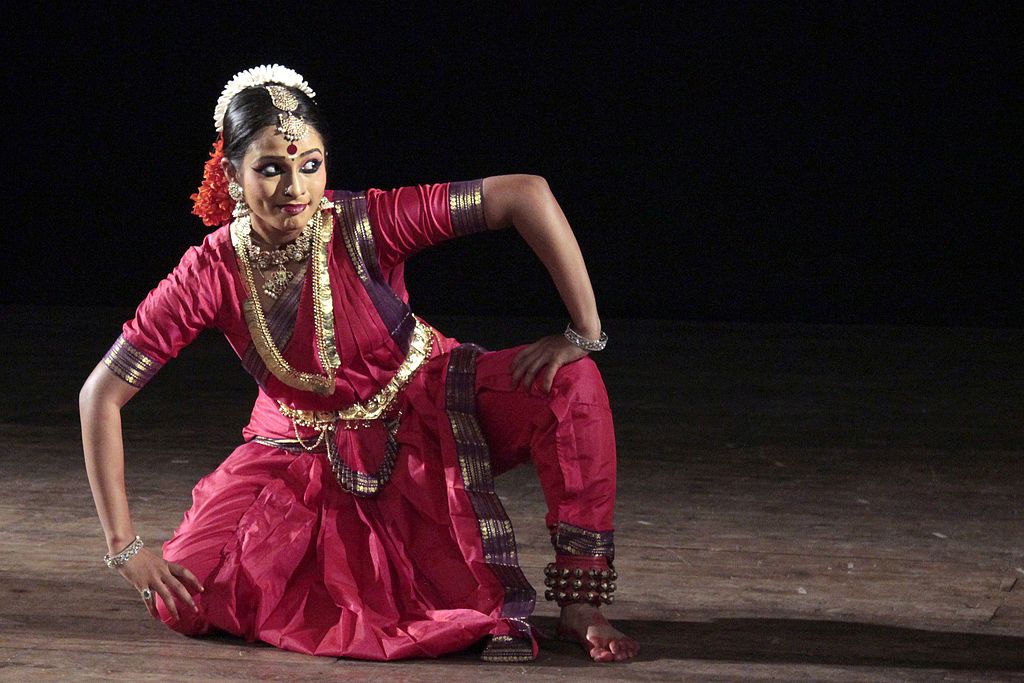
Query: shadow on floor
799	641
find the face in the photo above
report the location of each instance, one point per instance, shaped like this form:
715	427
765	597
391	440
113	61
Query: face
282	190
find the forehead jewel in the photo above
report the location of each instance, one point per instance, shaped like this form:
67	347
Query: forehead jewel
255	77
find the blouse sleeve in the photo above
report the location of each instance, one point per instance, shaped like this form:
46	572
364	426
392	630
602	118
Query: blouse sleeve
408	219
167	320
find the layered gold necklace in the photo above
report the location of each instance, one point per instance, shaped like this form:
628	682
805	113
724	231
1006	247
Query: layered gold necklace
319	231
275	284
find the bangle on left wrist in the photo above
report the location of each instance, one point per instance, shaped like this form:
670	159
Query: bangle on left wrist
586	343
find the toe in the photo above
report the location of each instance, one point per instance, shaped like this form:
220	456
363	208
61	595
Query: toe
623	648
599	651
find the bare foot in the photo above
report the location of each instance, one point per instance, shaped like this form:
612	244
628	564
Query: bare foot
603	642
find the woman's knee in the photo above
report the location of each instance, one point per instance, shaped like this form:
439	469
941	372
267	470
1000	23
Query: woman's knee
581	381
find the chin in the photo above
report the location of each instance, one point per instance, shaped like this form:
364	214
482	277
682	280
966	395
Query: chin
293	223
277	222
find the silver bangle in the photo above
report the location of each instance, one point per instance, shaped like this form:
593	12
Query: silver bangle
121	559
577	339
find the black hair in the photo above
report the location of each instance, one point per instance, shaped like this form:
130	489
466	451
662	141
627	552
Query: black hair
252	110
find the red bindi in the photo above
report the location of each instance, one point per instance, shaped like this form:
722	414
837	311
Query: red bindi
292	149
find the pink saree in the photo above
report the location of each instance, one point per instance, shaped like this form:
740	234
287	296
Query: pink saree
384	540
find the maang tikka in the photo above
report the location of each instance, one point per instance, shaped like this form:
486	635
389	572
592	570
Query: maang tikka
290	125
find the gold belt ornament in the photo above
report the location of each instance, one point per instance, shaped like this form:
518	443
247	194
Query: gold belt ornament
378	405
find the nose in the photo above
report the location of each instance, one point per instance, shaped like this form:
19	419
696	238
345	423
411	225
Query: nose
294	185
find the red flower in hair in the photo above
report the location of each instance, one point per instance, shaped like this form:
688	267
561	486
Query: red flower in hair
212	202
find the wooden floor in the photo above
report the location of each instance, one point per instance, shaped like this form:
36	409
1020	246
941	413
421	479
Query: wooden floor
795	503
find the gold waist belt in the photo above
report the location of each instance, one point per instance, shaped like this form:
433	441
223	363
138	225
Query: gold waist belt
377	406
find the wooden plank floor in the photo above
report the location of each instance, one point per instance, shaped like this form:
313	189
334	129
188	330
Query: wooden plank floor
795	503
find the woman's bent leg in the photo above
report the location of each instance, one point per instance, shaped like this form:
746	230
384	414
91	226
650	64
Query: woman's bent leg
569	436
210	526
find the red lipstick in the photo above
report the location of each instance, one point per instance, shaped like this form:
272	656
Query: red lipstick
294	209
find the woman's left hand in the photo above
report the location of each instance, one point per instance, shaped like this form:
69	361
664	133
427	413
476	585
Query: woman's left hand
547	355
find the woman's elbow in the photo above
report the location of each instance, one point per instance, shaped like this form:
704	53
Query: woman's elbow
533	189
102	388
508	197
90	397
87	394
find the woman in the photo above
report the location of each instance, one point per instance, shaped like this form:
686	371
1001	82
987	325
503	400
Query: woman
359	517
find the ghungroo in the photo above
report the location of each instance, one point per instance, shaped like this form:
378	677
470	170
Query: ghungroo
571	585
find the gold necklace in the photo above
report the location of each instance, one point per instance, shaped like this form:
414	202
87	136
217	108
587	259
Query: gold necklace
323	309
275	284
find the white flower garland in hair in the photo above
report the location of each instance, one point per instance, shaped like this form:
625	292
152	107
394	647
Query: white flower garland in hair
259	75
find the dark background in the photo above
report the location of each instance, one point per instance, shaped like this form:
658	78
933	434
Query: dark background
816	162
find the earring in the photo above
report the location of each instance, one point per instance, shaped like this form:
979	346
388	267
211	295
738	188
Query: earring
236	193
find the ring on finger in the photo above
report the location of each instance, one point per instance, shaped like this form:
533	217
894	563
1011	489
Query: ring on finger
147	594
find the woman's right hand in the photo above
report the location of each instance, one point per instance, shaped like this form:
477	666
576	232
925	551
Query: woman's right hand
166	579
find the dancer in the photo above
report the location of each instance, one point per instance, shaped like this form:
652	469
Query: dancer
359	517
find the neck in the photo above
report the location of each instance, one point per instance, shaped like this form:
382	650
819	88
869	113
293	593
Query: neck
274	237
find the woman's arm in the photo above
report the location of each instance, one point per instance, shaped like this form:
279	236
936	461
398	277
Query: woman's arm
100	403
526	203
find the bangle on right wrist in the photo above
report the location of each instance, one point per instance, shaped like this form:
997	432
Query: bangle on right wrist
120	559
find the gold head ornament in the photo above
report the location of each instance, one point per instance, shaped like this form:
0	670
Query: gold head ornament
291	126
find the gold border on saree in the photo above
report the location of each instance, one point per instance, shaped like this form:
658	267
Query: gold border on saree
378	405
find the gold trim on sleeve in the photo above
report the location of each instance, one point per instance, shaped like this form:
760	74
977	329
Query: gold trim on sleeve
466	206
130	364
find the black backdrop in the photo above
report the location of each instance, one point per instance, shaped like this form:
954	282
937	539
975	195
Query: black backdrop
820	162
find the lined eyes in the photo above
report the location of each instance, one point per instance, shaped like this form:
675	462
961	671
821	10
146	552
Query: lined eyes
271	170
